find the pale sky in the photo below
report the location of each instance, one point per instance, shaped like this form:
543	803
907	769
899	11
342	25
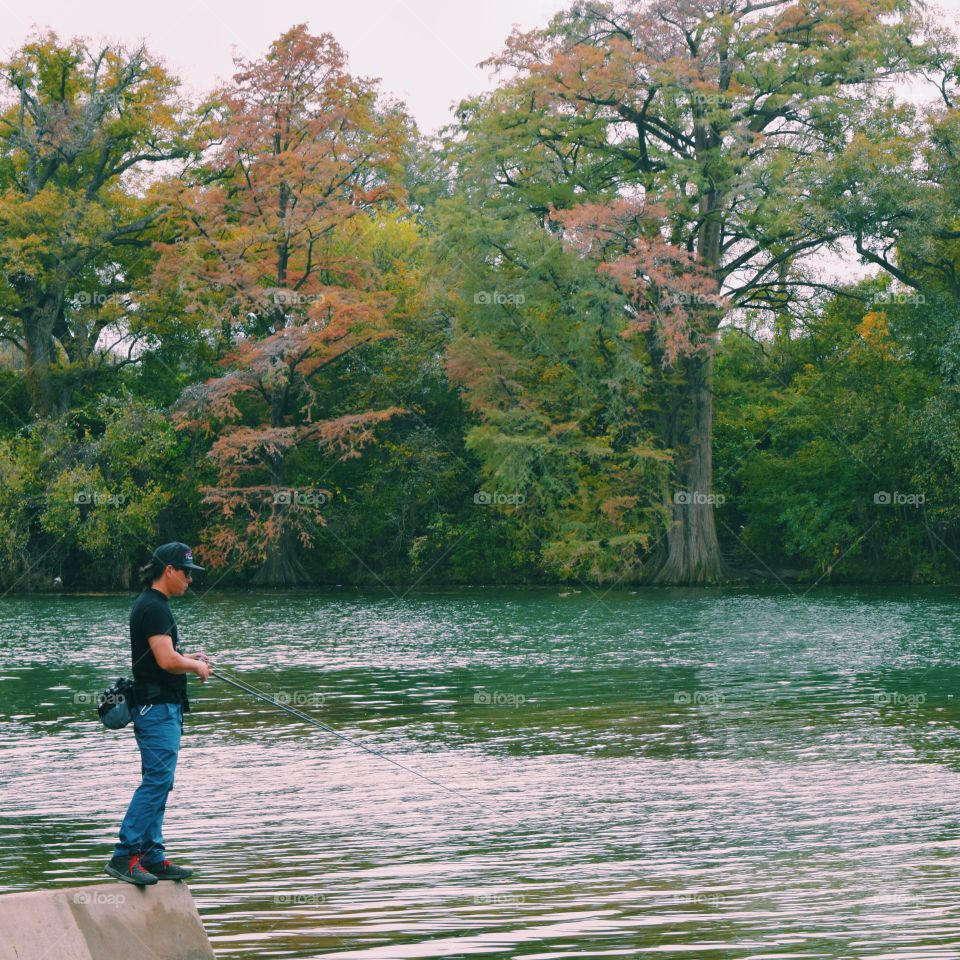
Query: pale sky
425	51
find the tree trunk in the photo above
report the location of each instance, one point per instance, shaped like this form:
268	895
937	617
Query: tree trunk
49	394
283	567
693	551
38	331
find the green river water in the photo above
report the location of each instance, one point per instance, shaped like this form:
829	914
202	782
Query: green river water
658	773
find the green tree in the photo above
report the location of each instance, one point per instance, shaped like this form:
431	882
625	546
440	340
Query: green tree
830	453
700	129
562	429
82	132
104	497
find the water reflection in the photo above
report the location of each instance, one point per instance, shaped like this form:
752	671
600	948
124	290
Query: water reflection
664	773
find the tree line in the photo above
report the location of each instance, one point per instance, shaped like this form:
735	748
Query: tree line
590	332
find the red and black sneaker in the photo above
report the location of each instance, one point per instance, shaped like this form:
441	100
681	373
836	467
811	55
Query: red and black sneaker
130	870
170	871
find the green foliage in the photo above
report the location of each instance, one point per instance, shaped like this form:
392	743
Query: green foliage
93	495
81	133
821	430
526	410
106	497
18	488
564	427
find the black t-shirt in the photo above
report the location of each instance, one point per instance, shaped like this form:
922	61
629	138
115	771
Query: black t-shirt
149	617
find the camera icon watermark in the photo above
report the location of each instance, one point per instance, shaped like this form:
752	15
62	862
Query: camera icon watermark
692	497
898	499
299	698
487	498
495	297
893	698
299	498
496	698
92	898
712	698
97	498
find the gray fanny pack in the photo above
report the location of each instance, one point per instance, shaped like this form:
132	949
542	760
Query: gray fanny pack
116	705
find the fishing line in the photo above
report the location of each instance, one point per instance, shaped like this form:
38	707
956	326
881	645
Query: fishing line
249	688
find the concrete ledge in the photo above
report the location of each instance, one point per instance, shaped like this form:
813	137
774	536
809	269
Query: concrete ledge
105	921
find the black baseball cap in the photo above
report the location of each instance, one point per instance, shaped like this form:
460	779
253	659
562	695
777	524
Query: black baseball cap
176	554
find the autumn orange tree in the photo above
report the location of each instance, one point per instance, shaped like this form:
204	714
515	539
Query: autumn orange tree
693	137
271	259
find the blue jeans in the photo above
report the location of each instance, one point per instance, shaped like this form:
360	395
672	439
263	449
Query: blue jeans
158	727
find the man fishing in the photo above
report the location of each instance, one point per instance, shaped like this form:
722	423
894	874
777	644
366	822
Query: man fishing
160	701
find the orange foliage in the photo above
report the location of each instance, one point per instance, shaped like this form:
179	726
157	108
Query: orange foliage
302	148
673	297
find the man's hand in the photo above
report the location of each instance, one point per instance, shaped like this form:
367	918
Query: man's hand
168	659
203	665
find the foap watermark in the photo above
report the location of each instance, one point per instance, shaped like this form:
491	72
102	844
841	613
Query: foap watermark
294	298
899	499
692	497
487	498
99	498
299	899
898	297
508	101
498	898
893	698
701	99
696	899
94	298
109	698
93	898
683	298
292	497
712	698
109	100
299	698
898	900
497	698
488	297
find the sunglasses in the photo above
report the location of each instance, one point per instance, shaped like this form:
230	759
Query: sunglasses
185	572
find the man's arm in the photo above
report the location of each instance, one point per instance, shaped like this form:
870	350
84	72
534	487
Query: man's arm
168	659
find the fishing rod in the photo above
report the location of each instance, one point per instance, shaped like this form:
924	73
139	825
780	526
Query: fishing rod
260	695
